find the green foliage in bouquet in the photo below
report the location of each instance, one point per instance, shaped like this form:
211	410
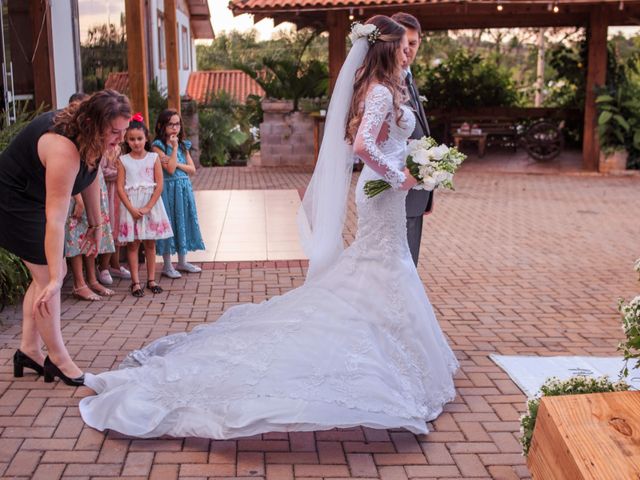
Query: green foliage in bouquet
555	387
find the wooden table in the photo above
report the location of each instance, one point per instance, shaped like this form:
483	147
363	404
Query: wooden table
479	138
587	437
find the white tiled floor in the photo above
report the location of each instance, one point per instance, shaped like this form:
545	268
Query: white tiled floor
248	225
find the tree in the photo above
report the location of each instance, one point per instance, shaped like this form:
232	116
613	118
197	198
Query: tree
104	51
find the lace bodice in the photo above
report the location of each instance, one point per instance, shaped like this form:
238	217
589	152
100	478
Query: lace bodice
381	140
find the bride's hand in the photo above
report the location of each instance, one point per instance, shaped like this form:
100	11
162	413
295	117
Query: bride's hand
409	182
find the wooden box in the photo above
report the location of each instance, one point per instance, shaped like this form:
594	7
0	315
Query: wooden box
592	436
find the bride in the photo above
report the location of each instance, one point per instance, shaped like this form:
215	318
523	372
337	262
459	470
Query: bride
357	344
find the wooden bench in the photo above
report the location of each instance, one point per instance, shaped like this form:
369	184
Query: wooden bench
500	131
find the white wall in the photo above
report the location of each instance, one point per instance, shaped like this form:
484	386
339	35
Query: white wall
63	52
161	73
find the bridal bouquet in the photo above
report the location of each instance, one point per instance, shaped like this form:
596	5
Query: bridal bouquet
432	165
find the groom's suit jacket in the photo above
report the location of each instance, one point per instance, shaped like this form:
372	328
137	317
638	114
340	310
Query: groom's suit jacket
419	202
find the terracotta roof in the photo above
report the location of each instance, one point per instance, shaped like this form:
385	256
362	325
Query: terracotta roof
235	82
118	81
200	19
244	6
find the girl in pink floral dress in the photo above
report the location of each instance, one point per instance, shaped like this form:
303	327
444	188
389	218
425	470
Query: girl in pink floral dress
142	214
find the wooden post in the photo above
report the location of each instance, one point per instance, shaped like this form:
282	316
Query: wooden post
596	76
171	42
137	57
43	76
338	23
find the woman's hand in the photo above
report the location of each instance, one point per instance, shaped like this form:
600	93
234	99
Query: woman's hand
409	181
173	141
91	242
78	209
144	210
41	305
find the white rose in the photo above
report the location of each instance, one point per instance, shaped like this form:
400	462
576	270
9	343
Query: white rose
358	30
425	171
429	183
439	152
441	176
420	157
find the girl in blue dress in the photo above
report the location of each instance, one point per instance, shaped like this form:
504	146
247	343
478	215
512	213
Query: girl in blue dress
177	194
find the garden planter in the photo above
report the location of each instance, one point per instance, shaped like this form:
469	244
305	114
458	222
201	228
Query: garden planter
613	162
286	137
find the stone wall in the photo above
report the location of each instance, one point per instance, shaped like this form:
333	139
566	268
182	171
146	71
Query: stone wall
286	137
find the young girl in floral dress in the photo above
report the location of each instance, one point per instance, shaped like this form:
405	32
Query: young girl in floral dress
177	195
142	214
110	262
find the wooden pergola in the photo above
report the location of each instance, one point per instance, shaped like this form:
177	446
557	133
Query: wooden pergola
596	16
200	19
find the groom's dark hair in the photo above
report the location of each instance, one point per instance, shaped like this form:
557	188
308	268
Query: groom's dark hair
408	21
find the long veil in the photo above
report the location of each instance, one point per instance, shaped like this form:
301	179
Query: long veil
322	213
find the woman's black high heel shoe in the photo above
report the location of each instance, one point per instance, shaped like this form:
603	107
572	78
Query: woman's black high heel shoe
20	361
51	372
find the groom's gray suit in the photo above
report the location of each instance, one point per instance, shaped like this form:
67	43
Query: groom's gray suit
419	202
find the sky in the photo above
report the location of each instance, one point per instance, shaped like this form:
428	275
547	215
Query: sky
223	20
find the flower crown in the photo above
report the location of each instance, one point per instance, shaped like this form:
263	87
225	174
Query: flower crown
370	31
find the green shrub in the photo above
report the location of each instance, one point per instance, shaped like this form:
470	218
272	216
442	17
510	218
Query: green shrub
466	80
224	130
14	279
157	99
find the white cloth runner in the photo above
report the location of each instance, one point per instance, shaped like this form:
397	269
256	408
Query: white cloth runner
530	373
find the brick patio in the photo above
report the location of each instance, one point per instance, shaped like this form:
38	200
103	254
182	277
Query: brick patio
513	264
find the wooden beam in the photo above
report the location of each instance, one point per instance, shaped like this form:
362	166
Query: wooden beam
43	76
337	22
596	76
173	66
137	57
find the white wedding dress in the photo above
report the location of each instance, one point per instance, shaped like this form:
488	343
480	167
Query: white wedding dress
357	345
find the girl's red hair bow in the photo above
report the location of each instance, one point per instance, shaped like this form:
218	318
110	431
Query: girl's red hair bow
137	117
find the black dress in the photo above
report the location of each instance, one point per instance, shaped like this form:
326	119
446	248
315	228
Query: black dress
23	192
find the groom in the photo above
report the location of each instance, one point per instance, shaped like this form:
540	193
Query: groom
419	202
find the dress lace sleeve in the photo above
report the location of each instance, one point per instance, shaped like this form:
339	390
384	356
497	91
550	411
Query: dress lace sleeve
378	106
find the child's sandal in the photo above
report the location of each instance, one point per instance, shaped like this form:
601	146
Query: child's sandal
137	292
155	288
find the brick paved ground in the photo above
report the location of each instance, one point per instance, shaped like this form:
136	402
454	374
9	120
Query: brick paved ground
513	264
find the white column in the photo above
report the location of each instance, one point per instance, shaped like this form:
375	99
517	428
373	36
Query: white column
64	60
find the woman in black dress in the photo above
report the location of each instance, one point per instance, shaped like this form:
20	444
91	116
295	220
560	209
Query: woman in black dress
52	158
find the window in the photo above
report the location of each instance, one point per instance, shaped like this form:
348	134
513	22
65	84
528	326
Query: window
185	48
162	48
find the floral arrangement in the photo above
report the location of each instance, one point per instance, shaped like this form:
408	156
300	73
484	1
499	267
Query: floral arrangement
554	387
631	326
432	165
359	30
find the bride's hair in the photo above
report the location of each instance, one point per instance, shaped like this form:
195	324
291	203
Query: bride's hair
380	65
